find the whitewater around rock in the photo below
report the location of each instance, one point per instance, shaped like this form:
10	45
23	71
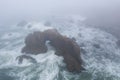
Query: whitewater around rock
99	52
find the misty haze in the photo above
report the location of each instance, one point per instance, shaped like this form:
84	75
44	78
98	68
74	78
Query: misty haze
59	40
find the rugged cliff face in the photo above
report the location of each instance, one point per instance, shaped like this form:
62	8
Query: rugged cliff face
64	46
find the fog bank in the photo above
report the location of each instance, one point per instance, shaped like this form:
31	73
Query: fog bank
102	13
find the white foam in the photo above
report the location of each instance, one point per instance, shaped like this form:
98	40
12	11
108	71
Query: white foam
37	26
97	60
11	35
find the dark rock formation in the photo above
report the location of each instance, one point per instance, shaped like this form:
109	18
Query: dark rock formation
21	57
35	43
66	47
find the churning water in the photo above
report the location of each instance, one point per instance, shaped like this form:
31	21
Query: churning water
99	52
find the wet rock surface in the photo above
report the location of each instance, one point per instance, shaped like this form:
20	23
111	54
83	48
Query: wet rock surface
21	57
35	43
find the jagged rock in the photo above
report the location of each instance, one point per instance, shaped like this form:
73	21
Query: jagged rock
21	57
35	43
66	47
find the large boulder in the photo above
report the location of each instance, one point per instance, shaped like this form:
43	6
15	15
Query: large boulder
36	43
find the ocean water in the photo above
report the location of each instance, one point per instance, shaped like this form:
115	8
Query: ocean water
99	51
